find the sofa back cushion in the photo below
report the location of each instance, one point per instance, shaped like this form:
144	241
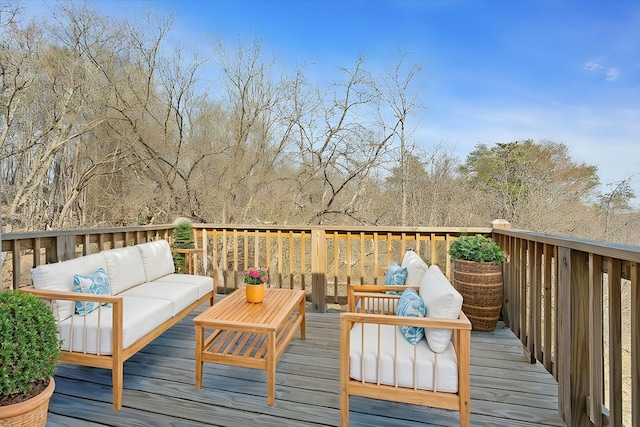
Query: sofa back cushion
416	268
124	268
157	260
59	277
442	301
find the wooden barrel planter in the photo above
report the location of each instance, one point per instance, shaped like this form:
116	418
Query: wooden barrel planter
480	284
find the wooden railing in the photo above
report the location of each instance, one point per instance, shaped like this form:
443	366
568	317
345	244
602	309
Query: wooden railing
575	305
320	260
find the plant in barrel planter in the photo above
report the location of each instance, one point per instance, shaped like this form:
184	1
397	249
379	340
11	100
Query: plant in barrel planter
254	280
477	275
29	350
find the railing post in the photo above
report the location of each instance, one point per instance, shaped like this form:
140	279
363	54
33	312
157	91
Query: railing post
506	269
635	344
318	270
573	336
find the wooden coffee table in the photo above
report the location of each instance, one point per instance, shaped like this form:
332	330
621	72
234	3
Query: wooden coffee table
250	335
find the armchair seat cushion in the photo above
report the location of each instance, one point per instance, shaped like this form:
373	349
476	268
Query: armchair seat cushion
437	372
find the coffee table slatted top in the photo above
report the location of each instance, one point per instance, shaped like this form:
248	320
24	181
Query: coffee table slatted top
234	311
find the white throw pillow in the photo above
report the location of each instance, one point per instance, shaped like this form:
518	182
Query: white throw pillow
442	301
416	268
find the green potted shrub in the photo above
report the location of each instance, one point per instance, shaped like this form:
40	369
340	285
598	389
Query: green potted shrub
182	239
29	350
477	275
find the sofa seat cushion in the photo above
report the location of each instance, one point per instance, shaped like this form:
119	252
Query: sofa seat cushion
59	277
157	259
436	372
204	284
416	268
442	301
181	295
140	316
124	268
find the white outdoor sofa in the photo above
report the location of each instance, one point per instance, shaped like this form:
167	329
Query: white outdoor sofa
377	361
144	298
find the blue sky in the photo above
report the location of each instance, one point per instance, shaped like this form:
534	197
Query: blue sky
493	70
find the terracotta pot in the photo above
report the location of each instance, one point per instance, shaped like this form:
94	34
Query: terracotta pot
30	413
254	293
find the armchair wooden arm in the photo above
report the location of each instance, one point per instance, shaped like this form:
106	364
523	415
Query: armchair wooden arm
376	296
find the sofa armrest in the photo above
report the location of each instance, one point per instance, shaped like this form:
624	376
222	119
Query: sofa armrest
117	306
72	296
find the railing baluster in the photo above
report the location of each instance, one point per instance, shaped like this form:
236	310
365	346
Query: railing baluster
596	389
615	342
635	344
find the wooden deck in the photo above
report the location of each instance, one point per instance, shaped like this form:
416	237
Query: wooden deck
159	388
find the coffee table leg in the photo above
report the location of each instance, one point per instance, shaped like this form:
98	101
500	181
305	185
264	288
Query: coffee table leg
199	345
271	367
303	323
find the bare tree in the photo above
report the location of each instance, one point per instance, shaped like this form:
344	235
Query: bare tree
339	144
402	103
254	132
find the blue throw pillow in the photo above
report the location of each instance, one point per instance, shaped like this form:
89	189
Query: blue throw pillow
411	304
96	283
395	275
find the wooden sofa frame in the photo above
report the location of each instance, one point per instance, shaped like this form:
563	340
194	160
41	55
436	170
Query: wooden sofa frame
363	296
116	360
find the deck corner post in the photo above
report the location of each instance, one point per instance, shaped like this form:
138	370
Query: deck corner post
573	336
318	270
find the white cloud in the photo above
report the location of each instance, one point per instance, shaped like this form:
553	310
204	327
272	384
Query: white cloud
593	65
612	74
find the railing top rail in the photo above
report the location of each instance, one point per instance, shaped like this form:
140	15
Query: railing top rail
596	247
142	228
81	231
356	229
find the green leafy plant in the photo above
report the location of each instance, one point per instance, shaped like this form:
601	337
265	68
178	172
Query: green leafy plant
182	239
476	248
255	276
29	345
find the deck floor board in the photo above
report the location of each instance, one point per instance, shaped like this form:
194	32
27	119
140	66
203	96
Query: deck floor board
159	388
